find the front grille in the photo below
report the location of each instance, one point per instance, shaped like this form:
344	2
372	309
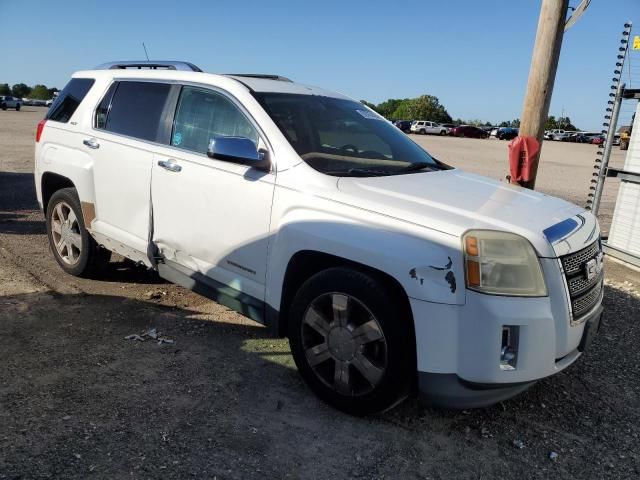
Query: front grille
574	262
580	284
586	302
584	293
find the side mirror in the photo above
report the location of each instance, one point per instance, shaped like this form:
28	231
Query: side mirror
238	150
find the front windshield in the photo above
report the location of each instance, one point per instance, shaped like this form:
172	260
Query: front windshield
343	138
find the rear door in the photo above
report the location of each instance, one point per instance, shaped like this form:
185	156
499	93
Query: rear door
212	216
128	128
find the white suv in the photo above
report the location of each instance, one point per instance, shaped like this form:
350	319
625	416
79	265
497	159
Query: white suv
389	271
425	127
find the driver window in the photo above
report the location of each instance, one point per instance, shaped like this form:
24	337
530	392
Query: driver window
203	114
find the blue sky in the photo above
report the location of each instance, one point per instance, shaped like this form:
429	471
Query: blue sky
473	55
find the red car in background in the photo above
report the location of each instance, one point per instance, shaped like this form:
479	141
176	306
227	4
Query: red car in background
599	140
468	131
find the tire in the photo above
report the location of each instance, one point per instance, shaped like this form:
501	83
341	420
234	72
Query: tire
74	249
358	374
3	106
443	132
17	107
423	132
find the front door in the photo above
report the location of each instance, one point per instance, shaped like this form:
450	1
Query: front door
211	216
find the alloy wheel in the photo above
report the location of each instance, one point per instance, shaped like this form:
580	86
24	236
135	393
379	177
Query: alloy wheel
344	344
65	231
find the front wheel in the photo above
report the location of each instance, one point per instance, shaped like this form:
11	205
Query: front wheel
443	132
72	246
17	107
352	341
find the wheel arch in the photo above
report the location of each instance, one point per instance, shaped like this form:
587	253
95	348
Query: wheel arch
306	263
50	183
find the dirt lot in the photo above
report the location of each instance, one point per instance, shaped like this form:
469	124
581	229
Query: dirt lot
77	400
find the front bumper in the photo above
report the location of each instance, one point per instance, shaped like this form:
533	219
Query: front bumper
451	391
458	346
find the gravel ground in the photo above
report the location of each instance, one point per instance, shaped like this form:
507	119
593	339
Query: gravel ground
77	400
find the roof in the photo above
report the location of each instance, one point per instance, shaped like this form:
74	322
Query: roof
181	70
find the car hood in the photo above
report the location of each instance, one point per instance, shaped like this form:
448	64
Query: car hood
454	201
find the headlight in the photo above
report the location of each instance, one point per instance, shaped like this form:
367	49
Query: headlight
502	263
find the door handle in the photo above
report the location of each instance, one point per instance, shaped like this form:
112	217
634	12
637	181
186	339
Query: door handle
170	165
91	143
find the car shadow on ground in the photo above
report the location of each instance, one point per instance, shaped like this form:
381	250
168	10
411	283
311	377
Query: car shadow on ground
20	215
225	400
18	205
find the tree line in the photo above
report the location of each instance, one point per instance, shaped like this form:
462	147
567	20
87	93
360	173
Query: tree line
428	107
21	90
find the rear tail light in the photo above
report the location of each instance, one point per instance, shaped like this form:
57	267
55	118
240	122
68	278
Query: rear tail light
40	128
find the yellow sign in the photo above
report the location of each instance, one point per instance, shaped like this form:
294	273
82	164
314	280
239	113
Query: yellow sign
636	42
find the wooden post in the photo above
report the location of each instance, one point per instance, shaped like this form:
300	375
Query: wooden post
544	63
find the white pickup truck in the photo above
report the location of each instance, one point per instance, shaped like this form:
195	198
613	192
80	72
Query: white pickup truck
556	134
390	272
7	101
424	127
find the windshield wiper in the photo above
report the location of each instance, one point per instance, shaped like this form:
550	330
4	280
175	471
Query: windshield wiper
359	172
416	167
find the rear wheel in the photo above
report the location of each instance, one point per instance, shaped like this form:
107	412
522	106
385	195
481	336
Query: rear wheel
73	248
3	106
17	107
352	341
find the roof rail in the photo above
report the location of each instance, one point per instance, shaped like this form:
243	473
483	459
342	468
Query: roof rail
260	75
152	65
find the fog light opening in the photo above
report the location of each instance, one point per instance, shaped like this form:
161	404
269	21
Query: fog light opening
509	347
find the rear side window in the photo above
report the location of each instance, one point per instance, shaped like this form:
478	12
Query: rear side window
136	109
68	100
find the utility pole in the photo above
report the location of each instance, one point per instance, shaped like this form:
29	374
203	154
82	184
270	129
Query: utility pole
542	75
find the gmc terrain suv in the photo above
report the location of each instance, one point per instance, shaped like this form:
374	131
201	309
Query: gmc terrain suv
390	272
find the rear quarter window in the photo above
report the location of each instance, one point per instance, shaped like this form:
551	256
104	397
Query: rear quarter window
69	99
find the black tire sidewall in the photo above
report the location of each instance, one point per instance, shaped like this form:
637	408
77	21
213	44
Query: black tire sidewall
394	321
70	196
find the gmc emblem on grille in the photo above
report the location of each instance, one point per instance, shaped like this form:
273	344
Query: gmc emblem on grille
593	267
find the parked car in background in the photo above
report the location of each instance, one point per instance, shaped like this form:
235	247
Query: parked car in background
448	126
7	101
582	137
598	140
556	134
507	133
404	125
425	127
468	131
